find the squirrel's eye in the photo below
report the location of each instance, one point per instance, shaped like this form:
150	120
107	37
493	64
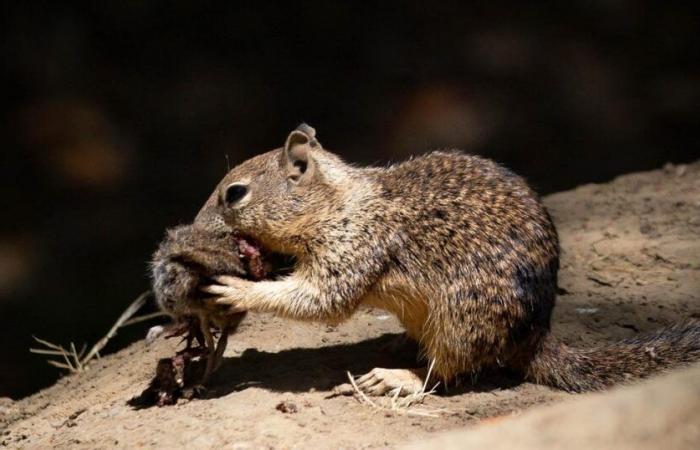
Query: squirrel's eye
234	193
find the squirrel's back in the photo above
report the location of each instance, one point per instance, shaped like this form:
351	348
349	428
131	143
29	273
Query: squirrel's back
479	246
477	255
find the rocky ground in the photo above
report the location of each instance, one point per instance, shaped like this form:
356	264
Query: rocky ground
631	263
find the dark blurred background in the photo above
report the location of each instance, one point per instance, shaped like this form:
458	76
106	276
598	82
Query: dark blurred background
119	117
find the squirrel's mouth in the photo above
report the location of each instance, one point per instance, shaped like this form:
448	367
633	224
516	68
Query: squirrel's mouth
259	263
189	258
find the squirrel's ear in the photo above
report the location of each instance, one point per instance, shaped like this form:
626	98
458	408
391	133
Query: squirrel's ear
297	159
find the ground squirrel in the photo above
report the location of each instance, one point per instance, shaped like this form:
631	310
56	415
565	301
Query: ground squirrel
459	248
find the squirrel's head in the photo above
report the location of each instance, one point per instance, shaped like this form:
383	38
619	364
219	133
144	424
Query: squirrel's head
279	197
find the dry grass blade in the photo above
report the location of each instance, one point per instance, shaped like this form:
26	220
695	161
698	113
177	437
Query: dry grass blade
402	405
363	398
82	351
76	357
73	365
49	344
60	365
41	351
126	315
77	361
56	350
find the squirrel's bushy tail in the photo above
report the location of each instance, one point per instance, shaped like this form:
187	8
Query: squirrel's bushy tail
579	370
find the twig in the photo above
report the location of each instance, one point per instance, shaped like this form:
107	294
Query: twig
82	351
76	358
77	361
42	351
49	344
126	315
61	365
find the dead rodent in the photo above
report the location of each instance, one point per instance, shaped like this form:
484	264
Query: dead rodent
189	255
186	259
459	248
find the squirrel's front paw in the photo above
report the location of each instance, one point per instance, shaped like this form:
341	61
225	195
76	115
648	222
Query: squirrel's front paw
229	291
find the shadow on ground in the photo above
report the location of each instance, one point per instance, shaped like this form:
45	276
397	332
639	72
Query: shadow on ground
301	370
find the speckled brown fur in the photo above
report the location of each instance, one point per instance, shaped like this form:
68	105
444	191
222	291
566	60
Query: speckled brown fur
460	249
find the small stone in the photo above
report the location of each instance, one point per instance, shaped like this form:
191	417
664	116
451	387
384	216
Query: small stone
287	407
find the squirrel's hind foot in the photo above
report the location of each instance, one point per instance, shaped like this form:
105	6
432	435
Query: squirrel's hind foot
379	381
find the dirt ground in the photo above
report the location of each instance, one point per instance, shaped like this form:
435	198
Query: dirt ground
630	263
662	413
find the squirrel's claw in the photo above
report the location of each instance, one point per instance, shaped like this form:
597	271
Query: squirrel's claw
216	289
226	286
227	280
229	292
382	381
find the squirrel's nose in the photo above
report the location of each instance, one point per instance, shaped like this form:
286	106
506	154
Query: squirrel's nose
212	222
